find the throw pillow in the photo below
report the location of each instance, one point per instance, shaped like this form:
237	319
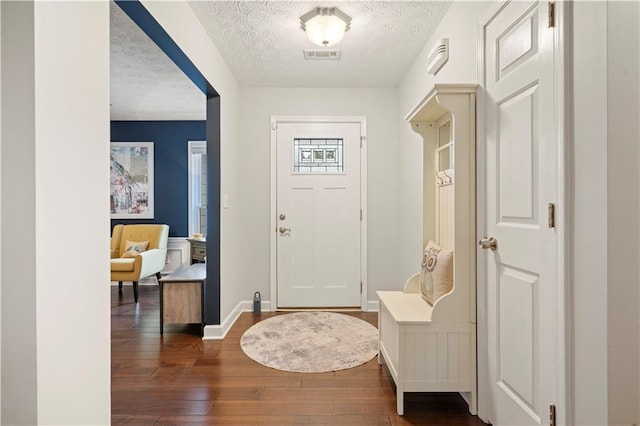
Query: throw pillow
134	248
436	276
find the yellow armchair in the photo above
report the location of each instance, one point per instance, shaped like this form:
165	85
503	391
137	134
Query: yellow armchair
144	264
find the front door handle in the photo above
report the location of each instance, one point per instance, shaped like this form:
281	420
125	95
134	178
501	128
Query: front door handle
284	230
487	243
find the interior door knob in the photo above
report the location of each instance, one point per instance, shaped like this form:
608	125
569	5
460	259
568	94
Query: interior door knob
487	243
284	230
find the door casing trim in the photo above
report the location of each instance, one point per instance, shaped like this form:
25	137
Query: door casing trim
273	220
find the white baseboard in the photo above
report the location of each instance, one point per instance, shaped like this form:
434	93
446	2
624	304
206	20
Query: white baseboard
218	332
373	305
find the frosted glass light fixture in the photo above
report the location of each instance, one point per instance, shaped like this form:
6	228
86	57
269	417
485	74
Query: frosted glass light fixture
325	26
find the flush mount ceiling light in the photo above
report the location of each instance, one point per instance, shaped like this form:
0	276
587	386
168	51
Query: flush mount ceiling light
325	26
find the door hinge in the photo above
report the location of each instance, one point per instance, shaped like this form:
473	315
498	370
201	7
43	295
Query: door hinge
274	125
552	215
360	215
552	415
552	14
360	287
362	139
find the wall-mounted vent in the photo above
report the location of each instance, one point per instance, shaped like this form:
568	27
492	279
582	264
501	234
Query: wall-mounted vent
438	56
322	54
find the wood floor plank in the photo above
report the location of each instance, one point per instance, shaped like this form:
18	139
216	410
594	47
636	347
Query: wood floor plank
345	382
327	407
243	381
277	420
179	379
134	420
323	394
156	406
138	363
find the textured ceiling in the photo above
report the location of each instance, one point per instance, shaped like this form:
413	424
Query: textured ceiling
145	83
263	44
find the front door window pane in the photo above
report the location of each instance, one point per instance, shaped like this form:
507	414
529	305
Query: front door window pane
318	156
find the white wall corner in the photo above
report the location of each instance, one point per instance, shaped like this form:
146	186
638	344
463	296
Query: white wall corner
588	399
0	211
623	211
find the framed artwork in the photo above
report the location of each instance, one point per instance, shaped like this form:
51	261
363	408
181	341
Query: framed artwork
132	180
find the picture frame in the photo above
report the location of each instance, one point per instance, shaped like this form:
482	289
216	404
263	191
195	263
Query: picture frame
131	177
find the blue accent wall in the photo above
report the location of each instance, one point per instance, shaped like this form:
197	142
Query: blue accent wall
170	142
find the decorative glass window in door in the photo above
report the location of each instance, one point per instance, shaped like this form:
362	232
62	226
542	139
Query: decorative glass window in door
318	156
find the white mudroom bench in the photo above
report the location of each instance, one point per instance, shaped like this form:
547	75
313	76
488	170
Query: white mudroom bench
426	348
428	334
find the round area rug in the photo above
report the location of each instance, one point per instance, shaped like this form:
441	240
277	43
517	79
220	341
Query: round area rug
311	342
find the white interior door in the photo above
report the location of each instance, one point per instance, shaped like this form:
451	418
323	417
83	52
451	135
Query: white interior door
318	215
521	171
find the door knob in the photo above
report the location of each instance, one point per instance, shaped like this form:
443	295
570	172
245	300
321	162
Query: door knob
283	230
486	243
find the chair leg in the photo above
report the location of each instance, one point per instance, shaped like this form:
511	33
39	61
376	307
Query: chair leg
135	291
158	276
120	286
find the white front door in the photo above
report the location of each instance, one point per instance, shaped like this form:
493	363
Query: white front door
318	215
522	179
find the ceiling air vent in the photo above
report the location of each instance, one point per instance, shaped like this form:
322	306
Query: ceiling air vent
438	56
322	54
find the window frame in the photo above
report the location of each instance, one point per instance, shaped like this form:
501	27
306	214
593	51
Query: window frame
195	150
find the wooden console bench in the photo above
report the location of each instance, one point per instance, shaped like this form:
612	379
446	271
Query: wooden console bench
182	296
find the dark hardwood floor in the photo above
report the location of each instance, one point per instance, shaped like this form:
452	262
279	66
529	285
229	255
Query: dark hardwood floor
180	379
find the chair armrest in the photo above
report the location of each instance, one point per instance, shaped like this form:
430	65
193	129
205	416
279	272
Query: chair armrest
152	261
115	253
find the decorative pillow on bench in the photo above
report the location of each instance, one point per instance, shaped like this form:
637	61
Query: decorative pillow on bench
436	276
134	248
